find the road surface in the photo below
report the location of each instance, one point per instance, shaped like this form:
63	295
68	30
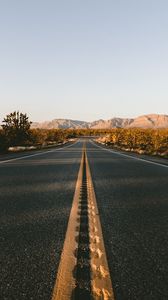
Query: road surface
36	198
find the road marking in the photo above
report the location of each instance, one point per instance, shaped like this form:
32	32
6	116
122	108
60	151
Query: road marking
83	271
130	156
36	154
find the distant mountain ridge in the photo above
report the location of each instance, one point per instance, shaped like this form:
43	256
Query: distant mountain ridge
61	123
146	121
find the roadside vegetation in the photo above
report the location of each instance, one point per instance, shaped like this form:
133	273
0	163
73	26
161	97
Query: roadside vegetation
16	134
142	141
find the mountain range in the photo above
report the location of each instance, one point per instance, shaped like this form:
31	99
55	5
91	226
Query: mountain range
146	121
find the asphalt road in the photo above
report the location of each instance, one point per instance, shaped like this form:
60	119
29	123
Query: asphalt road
35	200
132	197
36	195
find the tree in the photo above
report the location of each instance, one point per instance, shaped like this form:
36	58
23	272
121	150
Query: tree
3	143
16	128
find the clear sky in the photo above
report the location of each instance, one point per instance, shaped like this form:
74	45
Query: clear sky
83	59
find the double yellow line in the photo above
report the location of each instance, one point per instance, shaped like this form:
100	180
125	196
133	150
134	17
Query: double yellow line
100	281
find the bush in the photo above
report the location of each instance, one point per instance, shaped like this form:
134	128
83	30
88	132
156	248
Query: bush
149	141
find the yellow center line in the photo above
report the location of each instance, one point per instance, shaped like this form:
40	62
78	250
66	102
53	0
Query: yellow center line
83	267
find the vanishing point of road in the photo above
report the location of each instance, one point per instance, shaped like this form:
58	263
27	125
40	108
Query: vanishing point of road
36	196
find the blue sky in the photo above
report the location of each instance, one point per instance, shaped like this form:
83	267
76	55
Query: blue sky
83	59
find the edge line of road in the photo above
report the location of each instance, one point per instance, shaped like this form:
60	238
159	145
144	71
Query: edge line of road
36	154
130	156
